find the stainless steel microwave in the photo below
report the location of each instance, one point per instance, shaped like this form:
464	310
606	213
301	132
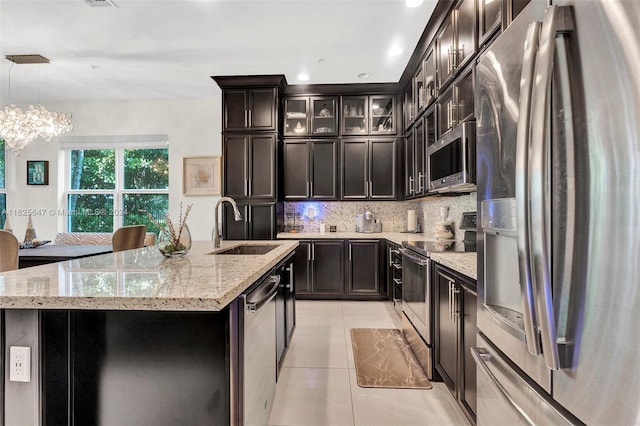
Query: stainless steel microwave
452	160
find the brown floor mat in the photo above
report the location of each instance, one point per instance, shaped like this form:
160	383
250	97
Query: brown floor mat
384	360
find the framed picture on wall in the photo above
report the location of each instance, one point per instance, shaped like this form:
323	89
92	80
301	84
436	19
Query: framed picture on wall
201	175
37	173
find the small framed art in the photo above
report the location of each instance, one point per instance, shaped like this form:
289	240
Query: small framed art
201	175
37	173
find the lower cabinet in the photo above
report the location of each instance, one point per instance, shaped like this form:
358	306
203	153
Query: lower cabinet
455	331
259	221
363	267
338	269
285	309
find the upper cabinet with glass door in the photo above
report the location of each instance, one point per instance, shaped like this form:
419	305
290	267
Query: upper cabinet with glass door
456	42
296	116
355	111
324	117
489	18
382	115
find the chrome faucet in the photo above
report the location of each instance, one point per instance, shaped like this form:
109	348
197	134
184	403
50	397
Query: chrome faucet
237	216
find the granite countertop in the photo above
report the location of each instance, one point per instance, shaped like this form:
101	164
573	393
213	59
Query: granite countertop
141	279
465	263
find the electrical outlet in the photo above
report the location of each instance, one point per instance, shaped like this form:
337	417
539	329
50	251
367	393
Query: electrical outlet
20	364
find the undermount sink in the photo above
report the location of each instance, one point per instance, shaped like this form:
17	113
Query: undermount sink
247	249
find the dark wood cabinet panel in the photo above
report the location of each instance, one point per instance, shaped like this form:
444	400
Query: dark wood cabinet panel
328	267
296	116
466	25
235	105
363	267
382	166
445	46
262	221
455	334
296	169
235	154
259	222
311	169
409	165
249	163
419	173
430	78
262	108
355	115
263	178
340	269
324	169
354	169
324	115
250	109
369	169
446	332
469	329
302	268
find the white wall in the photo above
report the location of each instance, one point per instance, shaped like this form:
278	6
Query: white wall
193	127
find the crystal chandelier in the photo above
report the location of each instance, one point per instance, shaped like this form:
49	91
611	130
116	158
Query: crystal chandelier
19	128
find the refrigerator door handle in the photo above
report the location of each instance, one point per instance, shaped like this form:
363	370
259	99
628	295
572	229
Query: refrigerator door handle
522	193
556	19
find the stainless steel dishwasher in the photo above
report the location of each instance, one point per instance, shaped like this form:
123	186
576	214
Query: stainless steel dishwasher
259	354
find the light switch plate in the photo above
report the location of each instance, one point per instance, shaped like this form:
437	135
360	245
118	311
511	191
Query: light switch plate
19	364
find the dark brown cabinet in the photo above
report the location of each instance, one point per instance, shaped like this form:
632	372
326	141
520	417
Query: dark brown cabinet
259	221
319	269
355	115
302	268
316	115
456	104
415	164
369	169
250	109
363	267
339	269
373	115
489	18
456	300
456	42
310	169
249	163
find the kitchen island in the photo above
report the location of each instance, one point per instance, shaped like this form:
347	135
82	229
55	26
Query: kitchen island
131	337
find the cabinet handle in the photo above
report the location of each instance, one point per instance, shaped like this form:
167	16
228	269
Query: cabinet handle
350	252
291	277
456	312
246	117
370	189
420	179
249	191
397	281
390	256
250	118
449	300
313	252
452	106
449	67
410	184
309	252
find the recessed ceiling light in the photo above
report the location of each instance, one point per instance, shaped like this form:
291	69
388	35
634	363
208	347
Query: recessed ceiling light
413	3
303	77
364	75
395	51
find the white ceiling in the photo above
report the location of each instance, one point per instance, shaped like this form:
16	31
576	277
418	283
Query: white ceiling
166	49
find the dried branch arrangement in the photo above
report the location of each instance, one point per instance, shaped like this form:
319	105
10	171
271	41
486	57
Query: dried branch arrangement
172	231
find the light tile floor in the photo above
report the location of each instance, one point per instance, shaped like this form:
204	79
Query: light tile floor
317	384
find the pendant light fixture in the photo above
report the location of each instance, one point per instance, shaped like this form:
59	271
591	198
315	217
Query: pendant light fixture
19	128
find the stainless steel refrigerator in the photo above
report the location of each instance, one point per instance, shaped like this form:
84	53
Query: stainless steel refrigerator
558	160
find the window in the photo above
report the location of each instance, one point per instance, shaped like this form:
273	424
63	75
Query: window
110	188
3	189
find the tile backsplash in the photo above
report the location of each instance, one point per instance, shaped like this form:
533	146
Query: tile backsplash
392	214
430	211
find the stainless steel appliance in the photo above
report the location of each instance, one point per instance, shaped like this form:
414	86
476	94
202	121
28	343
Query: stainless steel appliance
259	350
417	296
557	104
452	160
